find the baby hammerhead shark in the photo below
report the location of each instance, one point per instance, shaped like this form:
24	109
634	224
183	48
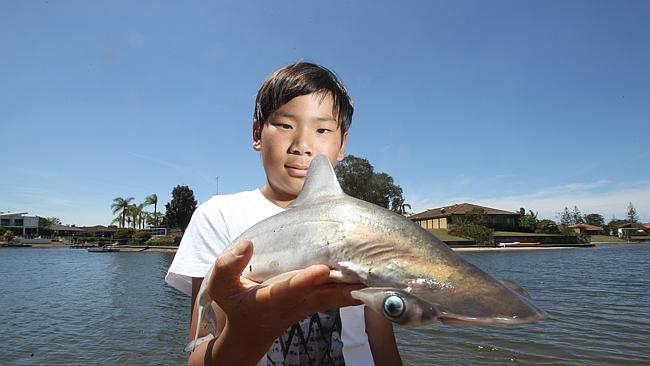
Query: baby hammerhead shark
412	277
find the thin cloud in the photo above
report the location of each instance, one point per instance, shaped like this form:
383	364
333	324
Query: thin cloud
603	197
156	160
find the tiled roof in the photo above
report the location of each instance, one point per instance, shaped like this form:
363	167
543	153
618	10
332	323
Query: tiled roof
586	227
457	209
631	225
64	228
98	228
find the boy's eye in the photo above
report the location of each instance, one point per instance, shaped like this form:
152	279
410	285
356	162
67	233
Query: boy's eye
284	126
323	130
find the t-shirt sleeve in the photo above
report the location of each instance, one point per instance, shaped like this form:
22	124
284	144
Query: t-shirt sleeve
204	239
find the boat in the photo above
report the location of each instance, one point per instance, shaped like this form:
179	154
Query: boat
518	244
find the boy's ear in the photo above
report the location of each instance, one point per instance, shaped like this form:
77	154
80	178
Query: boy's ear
257	136
344	143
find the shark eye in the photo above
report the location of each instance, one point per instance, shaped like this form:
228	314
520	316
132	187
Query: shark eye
394	306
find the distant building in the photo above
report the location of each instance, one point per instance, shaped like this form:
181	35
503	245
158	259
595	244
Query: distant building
442	217
100	231
64	231
587	229
21	224
631	229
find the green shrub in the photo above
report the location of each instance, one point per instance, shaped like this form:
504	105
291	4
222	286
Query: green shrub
479	233
124	234
165	240
141	236
8	235
547	227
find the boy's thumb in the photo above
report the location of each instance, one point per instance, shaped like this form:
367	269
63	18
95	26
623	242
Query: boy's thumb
231	263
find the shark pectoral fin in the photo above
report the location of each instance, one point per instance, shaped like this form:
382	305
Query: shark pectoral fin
195	342
343	277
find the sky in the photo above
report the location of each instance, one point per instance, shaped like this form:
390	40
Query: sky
507	104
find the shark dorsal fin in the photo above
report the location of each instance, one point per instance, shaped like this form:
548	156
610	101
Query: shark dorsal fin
320	182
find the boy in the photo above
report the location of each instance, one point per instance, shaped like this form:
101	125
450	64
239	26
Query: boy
301	111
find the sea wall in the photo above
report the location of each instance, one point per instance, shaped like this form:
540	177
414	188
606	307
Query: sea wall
543	239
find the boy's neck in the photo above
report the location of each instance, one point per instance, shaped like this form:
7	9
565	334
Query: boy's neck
278	200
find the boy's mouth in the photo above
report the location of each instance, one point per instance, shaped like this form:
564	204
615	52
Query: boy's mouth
297	170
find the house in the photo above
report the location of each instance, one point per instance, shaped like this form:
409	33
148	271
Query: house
21	224
631	229
442	217
64	231
587	229
100	231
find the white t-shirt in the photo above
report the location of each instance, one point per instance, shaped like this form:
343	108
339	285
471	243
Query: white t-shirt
218	221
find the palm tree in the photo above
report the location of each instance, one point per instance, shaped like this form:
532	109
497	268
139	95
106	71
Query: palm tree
148	219
134	212
153	200
121	204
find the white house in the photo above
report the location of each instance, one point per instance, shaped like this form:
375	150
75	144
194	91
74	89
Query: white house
19	223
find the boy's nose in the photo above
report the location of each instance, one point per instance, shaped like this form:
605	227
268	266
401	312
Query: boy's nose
300	145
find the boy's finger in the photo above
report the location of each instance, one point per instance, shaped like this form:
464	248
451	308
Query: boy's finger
312	285
231	263
314	275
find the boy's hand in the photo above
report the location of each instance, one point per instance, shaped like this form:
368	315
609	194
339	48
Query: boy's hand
260	314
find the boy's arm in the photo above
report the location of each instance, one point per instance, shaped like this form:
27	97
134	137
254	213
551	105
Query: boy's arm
256	315
381	339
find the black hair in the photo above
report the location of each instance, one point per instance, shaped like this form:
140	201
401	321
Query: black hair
301	78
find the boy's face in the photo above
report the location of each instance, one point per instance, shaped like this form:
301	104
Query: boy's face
294	134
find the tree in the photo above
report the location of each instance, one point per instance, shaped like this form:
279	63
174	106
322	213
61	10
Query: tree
613	224
631	213
180	209
8	235
595	219
152	199
45	223
527	221
135	212
576	216
121	204
402	209
565	217
358	179
546	227
472	226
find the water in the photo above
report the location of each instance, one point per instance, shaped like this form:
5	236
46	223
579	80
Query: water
68	306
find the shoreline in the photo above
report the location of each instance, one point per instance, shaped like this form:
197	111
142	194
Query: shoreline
172	249
513	249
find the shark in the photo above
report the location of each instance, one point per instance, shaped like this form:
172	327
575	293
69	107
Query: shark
412	278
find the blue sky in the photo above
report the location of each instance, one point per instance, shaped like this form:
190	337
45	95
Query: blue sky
535	104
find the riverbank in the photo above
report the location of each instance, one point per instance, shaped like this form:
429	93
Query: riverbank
514	249
117	248
137	248
172	249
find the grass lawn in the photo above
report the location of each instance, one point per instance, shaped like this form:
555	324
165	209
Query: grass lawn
606	239
443	234
515	233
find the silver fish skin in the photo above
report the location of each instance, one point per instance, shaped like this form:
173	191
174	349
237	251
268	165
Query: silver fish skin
398	260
